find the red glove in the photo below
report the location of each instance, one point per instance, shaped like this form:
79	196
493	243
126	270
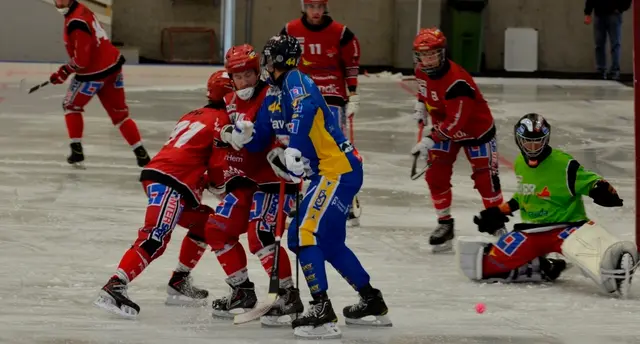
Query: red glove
61	75
587	20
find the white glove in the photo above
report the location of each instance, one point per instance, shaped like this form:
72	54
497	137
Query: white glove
294	163
423	146
353	105
278	164
420	113
237	135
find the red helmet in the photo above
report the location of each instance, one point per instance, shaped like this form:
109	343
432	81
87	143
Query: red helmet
429	49
241	58
218	86
303	3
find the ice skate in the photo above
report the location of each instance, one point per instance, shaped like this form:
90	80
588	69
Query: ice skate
320	321
76	158
113	298
370	311
287	308
551	268
441	239
142	156
182	292
241	299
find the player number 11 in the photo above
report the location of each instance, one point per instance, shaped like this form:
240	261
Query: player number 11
314	49
183	132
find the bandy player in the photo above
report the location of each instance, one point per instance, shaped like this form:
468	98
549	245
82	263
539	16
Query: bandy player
461	120
331	57
97	65
249	204
174	181
551	184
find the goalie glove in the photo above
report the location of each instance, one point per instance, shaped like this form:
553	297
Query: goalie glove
277	161
490	220
605	195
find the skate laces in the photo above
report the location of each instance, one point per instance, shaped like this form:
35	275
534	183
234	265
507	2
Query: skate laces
362	304
441	229
313	311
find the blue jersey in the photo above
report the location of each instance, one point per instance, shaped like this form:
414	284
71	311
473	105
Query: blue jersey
297	114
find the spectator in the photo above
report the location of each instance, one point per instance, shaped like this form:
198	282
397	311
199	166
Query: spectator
608	22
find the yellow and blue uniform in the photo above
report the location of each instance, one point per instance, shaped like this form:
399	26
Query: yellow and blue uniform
295	112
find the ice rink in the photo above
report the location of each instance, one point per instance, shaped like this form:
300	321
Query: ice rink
63	231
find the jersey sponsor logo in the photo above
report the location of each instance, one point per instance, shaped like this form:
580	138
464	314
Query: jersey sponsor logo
545	193
292	127
331	52
231	172
231	107
297	106
567	232
278	124
169	216
233	158
324	77
305	62
329	89
296	92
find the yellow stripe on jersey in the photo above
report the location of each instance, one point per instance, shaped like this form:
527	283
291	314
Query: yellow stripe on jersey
332	160
318	205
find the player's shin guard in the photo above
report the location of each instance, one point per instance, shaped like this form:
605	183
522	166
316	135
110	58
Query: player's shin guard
191	251
608	261
75	125
312	262
133	262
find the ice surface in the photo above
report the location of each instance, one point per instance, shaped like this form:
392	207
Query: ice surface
63	230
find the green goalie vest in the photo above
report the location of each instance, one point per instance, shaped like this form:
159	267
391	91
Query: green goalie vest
545	193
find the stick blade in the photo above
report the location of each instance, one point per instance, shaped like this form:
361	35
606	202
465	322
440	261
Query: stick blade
259	310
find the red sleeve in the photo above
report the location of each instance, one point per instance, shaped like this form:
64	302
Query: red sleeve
350	55
459	102
80	39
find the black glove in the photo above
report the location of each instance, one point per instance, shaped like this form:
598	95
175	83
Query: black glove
490	220
605	195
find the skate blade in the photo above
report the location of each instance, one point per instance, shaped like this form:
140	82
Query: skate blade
184	301
258	311
106	303
354	222
229	315
624	286
78	165
446	247
370	320
277	320
325	331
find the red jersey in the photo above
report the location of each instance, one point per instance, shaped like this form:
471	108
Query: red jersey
330	55
184	158
458	110
92	55
253	166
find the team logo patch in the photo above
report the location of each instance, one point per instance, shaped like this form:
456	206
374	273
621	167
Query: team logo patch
509	244
296	92
567	232
544	194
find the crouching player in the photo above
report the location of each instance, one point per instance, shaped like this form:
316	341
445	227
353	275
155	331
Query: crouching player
549	197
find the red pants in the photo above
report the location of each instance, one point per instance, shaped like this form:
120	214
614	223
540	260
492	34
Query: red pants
110	91
484	164
516	249
246	210
165	210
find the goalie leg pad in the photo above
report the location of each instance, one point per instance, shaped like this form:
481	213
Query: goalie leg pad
470	255
608	261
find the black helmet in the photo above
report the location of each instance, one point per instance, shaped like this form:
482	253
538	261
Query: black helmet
282	52
532	134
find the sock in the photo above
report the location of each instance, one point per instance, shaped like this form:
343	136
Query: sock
348	265
190	253
442	203
133	262
312	263
233	260
130	132
267	255
75	125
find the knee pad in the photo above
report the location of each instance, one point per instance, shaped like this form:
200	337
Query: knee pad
218	238
470	255
259	236
608	261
